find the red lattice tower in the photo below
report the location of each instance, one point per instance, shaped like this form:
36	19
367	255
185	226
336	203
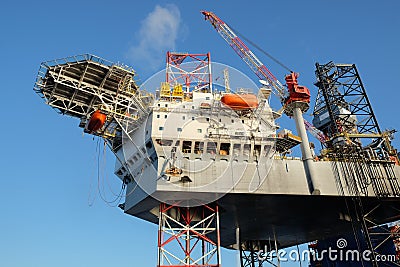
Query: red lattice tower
189	236
193	71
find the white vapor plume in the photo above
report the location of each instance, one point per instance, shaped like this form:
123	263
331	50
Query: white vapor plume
158	33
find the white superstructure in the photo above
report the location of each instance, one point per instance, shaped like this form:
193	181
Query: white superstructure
199	143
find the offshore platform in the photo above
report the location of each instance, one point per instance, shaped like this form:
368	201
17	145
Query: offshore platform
210	166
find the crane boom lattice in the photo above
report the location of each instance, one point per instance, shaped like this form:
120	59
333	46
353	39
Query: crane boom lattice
246	54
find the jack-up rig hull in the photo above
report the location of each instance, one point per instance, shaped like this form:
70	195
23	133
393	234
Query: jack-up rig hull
186	148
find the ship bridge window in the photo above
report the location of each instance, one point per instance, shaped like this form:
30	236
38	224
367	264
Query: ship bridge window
186	146
224	149
178	142
198	147
236	149
211	148
257	150
246	149
164	142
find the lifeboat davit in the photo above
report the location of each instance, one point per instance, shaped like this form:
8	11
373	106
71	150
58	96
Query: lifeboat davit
240	101
96	121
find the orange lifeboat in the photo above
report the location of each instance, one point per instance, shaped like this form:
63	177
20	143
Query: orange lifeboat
240	101
96	121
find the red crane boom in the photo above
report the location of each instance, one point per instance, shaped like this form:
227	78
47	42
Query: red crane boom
246	54
291	97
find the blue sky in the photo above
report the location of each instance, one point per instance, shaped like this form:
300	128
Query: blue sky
47	174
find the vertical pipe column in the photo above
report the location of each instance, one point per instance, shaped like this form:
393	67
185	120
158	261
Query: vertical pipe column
238	244
307	158
218	236
160	227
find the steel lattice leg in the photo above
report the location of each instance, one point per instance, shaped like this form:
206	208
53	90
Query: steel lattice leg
379	236
249	259
256	253
188	236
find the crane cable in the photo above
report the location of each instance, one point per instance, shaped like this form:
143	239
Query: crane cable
260	49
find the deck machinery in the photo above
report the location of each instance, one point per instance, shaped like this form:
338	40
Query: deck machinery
208	166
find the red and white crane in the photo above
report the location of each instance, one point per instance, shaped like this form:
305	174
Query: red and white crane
294	96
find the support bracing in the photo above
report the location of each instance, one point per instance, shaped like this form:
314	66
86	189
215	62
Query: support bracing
343	99
189	70
382	236
249	259
352	173
78	86
188	236
344	113
255	253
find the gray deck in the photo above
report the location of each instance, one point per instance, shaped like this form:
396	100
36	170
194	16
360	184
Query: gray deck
281	206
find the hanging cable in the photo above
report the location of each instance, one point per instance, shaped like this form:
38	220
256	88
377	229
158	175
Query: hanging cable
100	185
106	177
91	191
261	50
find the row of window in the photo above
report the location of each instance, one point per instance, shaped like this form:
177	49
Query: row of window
183	117
179	129
166	105
213	148
193	118
138	156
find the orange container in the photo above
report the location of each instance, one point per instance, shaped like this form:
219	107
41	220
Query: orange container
240	101
96	121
